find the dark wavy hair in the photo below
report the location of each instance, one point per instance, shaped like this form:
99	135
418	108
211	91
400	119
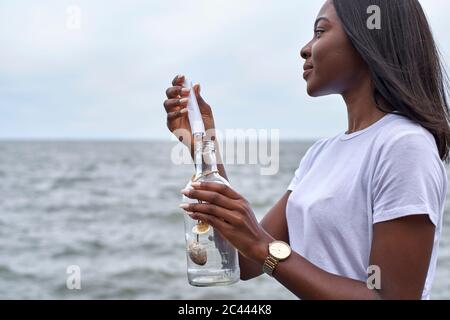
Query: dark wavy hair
405	64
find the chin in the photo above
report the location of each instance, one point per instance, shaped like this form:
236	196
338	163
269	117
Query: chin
311	93
312	90
318	91
312	87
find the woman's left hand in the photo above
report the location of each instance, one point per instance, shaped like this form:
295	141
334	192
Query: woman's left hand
230	214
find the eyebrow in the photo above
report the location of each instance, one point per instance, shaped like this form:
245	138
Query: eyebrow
318	20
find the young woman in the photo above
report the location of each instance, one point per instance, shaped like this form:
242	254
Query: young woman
369	200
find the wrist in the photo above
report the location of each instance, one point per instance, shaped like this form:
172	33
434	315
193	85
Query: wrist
278	251
262	249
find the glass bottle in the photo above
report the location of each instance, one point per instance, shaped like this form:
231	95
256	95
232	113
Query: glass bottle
211	259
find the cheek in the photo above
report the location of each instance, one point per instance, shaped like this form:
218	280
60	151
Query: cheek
329	60
335	63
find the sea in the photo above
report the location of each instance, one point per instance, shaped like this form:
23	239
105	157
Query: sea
100	220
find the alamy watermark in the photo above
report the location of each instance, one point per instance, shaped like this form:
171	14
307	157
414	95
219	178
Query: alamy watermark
374	21
237	146
73	17
374	279
73	281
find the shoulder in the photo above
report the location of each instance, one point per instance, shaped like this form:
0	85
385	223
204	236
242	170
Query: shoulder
409	151
408	174
402	137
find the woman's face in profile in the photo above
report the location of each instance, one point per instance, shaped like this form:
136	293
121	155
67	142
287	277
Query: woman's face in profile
332	64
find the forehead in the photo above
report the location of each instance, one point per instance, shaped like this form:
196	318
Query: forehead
328	11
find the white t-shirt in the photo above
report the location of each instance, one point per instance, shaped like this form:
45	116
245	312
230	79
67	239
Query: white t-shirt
349	182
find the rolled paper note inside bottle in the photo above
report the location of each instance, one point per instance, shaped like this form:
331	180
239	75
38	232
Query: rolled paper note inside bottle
194	114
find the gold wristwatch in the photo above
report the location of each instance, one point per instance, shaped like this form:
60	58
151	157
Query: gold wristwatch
278	251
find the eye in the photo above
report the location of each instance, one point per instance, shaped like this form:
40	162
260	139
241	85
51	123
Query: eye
318	33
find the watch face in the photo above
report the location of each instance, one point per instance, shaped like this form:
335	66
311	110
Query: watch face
279	250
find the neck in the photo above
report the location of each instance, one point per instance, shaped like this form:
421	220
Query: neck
362	109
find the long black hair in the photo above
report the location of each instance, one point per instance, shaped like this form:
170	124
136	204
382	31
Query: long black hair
405	64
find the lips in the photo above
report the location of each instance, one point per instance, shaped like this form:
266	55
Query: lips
307	73
308	70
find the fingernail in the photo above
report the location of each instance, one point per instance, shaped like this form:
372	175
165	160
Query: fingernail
197	85
180	76
185	191
185	90
184	111
184	206
184	100
196	184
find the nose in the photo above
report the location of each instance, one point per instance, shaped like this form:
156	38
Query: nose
305	53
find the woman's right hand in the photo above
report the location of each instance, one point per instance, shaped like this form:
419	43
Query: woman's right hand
177	116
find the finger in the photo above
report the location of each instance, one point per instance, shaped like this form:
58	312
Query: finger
196	88
217	187
212	210
176	114
178	80
216	223
199	98
177	91
172	105
211	197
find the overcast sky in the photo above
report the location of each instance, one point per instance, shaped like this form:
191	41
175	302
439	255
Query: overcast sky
107	79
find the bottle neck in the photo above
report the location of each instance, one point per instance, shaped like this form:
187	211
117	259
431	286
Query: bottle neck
205	157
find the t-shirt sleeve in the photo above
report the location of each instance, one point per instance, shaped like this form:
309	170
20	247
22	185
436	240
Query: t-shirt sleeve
303	167
409	179
299	173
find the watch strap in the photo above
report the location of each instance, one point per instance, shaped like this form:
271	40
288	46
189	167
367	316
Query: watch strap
269	264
